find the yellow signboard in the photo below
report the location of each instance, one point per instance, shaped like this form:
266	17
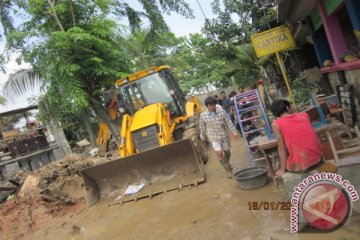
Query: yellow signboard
273	40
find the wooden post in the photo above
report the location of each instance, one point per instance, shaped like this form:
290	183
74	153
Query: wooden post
332	145
27	121
357	132
333	32
283	72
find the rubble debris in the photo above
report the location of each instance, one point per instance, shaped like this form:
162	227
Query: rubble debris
53	178
18	177
61	175
10	197
93	152
7	187
57	196
4	195
6	190
53	190
30	184
83	143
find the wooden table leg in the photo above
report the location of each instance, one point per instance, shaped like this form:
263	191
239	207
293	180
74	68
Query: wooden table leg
269	166
357	132
346	122
333	149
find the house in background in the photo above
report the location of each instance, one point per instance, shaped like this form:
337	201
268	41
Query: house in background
327	34
30	145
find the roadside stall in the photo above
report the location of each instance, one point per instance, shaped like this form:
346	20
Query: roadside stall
23	147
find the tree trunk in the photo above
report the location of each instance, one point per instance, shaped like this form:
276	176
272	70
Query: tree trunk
52	6
101	114
89	129
72	12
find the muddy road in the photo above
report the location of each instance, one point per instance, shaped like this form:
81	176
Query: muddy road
217	209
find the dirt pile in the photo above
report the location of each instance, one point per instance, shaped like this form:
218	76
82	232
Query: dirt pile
54	190
20	217
57	181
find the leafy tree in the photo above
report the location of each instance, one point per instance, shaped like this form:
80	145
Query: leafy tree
5	18
146	53
77	47
235	22
196	67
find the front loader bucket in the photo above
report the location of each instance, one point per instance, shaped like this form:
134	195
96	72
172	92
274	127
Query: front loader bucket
162	169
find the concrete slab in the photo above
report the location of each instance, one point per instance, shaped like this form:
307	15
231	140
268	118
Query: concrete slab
30	184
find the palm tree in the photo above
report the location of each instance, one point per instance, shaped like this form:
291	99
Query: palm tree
147	52
29	83
246	67
21	83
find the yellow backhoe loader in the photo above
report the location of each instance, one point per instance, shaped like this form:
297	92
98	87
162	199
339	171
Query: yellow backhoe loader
159	147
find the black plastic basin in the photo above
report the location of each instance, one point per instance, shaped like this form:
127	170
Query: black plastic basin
251	178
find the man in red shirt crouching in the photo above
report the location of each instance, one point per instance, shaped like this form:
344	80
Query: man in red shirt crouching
299	147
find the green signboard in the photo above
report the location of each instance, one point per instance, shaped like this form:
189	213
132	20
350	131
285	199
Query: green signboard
315	18
331	5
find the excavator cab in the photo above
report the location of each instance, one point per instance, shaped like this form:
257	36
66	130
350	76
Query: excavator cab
158	87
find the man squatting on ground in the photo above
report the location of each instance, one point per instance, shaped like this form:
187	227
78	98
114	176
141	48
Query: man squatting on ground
214	123
299	147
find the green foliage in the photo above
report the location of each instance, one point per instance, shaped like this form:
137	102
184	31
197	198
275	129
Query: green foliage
78	62
180	7
191	58
5	17
2	62
195	65
301	89
224	30
78	48
2	101
147	53
246	68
